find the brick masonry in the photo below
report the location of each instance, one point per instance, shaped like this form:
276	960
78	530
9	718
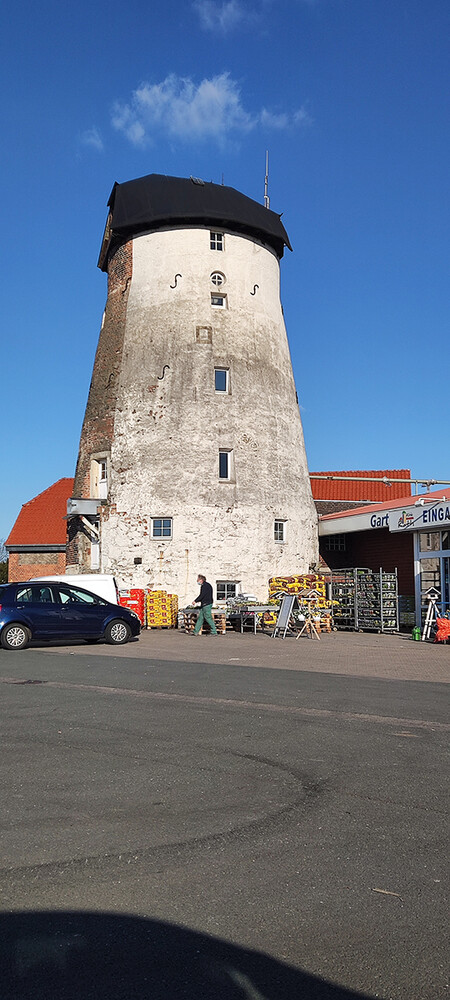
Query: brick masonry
23	565
98	425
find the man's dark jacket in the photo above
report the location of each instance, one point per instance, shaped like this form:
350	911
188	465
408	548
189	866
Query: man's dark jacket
206	594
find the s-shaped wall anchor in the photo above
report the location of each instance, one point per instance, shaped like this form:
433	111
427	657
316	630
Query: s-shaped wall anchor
254	289
160	377
175	280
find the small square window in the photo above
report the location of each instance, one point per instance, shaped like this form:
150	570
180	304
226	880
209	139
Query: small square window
216	241
161	527
226	589
335	543
219	301
279	530
225	464
221	379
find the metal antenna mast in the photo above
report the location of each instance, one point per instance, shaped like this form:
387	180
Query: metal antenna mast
266	183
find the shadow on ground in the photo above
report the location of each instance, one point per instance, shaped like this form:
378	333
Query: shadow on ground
95	955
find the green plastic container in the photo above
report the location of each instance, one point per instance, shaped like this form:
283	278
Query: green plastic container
416	633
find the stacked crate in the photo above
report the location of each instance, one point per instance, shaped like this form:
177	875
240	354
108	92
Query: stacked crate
174	609
134	599
161	609
187	620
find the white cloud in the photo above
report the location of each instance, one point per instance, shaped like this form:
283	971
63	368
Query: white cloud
302	117
220	17
91	137
180	109
270	120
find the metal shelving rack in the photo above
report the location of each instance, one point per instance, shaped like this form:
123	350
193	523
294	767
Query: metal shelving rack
368	600
389	602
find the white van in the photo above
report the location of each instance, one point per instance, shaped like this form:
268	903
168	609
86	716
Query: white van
96	583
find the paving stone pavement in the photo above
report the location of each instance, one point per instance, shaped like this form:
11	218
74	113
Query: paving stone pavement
395	657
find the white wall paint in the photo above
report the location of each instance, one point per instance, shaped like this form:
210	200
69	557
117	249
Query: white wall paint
168	431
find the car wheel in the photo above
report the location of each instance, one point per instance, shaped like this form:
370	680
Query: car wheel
15	636
117	632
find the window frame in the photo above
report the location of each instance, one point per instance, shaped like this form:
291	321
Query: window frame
215	238
229	478
162	537
335	543
226	371
226	584
216	275
279	522
100	475
220	301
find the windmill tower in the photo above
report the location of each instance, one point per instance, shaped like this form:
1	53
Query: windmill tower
191	455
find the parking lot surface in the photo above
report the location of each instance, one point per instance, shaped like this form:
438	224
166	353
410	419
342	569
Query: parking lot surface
286	797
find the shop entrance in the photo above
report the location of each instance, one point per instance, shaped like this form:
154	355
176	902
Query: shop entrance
446	583
434	568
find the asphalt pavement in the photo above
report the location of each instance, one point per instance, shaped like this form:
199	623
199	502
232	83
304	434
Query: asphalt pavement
292	809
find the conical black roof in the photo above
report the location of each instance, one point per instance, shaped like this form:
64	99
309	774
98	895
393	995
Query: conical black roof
154	201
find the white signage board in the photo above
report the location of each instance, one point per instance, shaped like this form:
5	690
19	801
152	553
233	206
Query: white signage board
416	517
355	522
429	517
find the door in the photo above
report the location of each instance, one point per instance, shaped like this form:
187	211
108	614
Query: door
37	606
445	584
82	613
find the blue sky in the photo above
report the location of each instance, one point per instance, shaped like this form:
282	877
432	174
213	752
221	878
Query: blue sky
351	97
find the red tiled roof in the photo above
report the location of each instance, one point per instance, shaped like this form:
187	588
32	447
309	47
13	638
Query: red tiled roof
404	501
364	492
40	521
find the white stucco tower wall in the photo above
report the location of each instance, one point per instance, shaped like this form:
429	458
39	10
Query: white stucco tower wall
170	422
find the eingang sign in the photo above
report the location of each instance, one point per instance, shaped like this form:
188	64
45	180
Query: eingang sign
428	516
417	518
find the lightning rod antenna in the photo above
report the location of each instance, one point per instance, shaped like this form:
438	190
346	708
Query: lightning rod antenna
266	183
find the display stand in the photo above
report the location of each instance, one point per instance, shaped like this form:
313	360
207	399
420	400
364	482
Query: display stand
310	628
287	606
367	600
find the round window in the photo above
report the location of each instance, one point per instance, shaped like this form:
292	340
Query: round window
217	278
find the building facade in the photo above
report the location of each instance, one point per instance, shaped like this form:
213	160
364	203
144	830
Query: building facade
36	544
191	455
410	534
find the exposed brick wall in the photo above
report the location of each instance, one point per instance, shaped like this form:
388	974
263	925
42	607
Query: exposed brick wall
375	549
19	569
98	425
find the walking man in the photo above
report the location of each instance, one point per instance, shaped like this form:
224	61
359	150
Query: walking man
205	599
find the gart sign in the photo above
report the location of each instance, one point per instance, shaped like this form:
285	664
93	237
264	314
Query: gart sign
418	518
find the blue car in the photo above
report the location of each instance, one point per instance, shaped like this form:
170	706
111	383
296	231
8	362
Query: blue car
43	610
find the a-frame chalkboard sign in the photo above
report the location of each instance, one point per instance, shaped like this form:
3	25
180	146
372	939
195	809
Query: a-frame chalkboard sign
288	603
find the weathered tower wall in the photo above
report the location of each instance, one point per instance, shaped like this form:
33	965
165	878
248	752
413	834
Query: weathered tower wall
155	417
